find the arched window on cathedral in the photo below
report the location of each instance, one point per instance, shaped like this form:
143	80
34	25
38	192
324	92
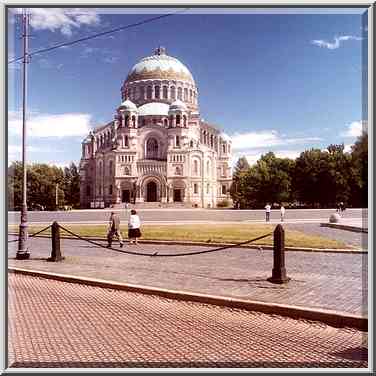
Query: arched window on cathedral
110	190
126	119
165	92
177	141
195	167
151	148
184	120
185	94
133	121
142	92
126	142
177	170
190	95
126	171
173	93
165	123
224	148
100	170
180	94
178	119
110	166
149	92
191	143
211	141
157	92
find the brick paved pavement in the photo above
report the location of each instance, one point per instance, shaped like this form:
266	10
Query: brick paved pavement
59	324
355	239
335	281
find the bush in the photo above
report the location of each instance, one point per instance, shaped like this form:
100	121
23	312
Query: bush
223	204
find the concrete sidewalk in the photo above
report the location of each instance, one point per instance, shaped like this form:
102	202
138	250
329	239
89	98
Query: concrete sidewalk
319	281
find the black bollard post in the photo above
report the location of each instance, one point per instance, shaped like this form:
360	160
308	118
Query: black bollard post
279	270
55	236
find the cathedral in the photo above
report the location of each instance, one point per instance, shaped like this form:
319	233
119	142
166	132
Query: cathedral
157	149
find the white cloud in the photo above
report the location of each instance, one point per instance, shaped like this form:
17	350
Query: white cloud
61	19
111	59
337	42
356	128
253	157
347	148
49	125
15	152
265	139
59	164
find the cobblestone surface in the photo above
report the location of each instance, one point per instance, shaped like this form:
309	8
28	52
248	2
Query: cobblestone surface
59	324
336	281
355	239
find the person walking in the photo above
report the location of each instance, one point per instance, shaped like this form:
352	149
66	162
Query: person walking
114	229
283	210
134	225
267	212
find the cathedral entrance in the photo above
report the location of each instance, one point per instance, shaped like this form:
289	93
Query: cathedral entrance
125	195
177	195
151	192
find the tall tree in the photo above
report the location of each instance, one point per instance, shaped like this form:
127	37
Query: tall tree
237	189
359	162
71	185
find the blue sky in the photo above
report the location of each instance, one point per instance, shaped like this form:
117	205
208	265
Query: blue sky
273	82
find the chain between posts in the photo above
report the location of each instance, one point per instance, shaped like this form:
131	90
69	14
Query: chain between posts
32	235
155	254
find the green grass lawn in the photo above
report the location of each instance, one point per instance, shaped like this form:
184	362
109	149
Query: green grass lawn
208	233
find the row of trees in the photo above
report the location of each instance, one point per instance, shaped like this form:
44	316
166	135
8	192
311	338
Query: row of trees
316	178
48	187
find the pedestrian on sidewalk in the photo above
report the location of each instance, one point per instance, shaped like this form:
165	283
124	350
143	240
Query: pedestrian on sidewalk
134	225
267	212
283	210
114	229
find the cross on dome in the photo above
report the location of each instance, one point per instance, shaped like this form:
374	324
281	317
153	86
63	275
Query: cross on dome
160	51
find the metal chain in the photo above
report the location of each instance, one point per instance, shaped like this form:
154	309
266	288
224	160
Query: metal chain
32	235
165	255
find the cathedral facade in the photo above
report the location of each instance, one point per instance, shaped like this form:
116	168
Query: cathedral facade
157	148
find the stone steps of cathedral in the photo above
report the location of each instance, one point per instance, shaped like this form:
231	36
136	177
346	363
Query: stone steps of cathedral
153	205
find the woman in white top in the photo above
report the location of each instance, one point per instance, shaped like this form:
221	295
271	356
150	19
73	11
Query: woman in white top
134	225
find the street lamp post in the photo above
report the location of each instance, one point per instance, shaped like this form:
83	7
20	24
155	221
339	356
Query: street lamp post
23	252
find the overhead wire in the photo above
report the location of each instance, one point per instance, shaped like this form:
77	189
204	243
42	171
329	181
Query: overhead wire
65	44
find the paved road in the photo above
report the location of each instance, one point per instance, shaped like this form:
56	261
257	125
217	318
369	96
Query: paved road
187	215
336	281
59	324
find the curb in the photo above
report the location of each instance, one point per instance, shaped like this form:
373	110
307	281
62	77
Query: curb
206	244
345	227
333	318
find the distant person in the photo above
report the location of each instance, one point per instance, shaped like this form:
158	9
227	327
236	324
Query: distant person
283	210
114	229
134	225
267	212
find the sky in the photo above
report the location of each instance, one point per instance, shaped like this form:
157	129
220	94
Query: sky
272	80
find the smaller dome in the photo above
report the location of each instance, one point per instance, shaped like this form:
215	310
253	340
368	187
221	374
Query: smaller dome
128	106
178	105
